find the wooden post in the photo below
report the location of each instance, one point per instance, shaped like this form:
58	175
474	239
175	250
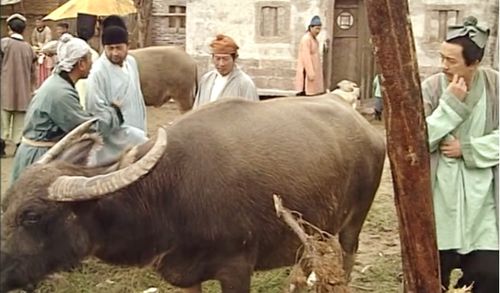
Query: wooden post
408	150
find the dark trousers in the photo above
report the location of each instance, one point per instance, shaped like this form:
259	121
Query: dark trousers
480	267
2	148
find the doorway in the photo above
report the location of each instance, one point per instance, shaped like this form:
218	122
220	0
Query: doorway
351	52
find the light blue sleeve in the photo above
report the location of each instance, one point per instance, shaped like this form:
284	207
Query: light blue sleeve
98	105
448	115
481	152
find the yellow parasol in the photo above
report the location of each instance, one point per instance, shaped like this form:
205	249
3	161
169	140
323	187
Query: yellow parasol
92	7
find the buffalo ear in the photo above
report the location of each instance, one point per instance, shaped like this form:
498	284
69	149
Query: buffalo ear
80	151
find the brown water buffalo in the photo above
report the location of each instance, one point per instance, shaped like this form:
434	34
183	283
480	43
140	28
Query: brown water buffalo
166	73
200	206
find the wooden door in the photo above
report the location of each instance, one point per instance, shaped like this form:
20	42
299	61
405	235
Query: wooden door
351	51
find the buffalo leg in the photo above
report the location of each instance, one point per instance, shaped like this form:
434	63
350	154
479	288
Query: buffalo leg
194	289
238	285
235	275
348	238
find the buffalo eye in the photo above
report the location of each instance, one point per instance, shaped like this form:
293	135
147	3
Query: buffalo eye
30	218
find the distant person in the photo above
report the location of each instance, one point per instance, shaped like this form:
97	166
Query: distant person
309	74
18	80
461	105
114	78
41	34
227	79
61	28
39	38
377	94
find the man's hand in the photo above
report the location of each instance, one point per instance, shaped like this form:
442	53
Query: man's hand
311	77
451	148
458	87
117	103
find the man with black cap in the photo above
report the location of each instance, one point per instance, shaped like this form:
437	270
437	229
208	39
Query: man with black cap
114	79
461	105
18	80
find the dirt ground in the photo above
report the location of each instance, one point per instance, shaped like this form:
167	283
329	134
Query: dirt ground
377	268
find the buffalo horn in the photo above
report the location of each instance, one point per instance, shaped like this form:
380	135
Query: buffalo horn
80	188
74	134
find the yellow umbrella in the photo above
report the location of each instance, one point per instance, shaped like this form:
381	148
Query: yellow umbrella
92	7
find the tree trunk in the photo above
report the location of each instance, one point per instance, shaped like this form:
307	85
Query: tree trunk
144	8
408	150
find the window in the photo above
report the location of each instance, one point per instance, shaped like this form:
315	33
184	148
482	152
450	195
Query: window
176	17
437	19
272	21
446	18
269	21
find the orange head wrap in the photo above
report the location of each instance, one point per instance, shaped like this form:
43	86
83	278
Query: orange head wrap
223	45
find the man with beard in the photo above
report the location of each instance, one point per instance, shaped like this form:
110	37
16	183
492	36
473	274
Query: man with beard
115	78
55	109
226	80
461	106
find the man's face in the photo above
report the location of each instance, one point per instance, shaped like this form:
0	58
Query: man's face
60	31
116	53
453	61
84	66
315	30
38	23
224	63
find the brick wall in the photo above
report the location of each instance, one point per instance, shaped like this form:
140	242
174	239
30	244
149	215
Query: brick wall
166	25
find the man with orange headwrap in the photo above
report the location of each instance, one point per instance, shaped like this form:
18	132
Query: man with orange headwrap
226	80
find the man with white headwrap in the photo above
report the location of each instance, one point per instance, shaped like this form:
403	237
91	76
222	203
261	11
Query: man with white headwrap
55	109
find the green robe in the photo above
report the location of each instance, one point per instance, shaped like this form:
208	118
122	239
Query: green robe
464	188
53	112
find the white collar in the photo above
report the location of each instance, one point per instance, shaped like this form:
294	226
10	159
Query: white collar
17	36
220	76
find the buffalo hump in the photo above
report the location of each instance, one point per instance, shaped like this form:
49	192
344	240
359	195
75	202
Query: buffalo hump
166	73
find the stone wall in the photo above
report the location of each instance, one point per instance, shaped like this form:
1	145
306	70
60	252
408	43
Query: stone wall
268	48
168	25
428	25
267	33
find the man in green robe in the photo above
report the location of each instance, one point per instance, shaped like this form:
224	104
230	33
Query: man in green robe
461	105
55	109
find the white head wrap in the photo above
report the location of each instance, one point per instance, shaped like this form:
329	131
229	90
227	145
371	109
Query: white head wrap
69	51
16	15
